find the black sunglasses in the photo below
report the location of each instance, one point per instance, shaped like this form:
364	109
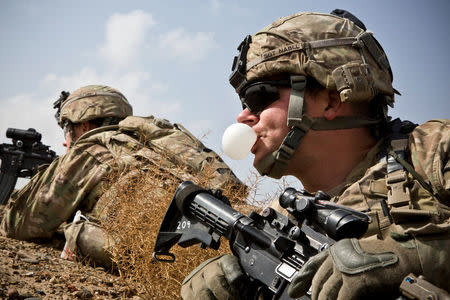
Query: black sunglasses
258	95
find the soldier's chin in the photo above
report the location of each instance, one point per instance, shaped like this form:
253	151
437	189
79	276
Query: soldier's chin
254	163
257	158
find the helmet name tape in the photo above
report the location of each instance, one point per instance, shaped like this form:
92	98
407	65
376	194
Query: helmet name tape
300	46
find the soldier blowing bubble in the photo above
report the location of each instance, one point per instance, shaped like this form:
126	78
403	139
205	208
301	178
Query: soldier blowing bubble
316	89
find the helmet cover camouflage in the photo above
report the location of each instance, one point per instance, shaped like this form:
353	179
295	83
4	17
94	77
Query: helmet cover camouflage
337	53
94	102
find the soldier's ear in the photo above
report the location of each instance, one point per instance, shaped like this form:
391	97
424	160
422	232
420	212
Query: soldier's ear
87	126
333	105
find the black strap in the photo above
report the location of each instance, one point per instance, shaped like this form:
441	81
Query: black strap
413	172
400	131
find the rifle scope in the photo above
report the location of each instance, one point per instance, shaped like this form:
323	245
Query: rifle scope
338	221
30	135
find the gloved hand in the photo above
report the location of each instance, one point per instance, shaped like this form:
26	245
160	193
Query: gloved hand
217	278
347	271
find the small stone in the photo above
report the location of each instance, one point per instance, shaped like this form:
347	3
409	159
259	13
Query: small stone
13	293
52	280
29	274
31	261
83	294
71	288
27	295
23	254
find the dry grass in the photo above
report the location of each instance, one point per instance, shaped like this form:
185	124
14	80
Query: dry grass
132	212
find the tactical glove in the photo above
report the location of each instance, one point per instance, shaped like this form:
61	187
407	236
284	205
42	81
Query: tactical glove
347	271
217	278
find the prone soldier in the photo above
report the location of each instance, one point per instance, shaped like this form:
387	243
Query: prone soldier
101	137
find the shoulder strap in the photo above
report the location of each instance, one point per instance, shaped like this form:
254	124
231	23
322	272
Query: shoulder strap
396	176
398	167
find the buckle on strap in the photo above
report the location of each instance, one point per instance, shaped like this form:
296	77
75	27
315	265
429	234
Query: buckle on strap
290	144
397	181
397	177
398	194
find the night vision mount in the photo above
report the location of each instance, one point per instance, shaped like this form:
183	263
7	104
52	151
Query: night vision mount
58	103
238	70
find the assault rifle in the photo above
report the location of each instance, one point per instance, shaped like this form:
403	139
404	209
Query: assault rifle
271	247
21	158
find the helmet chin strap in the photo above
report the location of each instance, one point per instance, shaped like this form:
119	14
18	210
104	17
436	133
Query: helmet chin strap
275	163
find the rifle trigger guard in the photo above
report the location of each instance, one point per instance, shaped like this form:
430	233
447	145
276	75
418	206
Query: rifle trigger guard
164	257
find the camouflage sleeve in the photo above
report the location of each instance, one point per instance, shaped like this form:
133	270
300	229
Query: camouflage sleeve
52	196
430	153
187	149
182	148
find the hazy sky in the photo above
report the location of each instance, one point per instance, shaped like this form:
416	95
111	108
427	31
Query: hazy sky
172	59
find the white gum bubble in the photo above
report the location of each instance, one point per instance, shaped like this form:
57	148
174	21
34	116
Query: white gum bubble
237	140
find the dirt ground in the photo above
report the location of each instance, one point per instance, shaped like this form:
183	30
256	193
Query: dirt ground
35	271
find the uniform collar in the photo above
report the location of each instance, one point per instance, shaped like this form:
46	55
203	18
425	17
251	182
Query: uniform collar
358	172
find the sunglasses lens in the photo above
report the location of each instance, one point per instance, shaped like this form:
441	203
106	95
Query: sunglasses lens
257	97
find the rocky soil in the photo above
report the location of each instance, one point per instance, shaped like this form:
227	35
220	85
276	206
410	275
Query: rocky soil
35	271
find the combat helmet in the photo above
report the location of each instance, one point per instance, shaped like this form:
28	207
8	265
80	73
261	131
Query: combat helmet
333	50
91	102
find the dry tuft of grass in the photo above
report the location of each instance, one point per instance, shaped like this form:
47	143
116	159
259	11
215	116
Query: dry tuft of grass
131	212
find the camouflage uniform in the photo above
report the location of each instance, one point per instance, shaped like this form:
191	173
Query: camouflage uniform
422	224
76	180
313	45
409	207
